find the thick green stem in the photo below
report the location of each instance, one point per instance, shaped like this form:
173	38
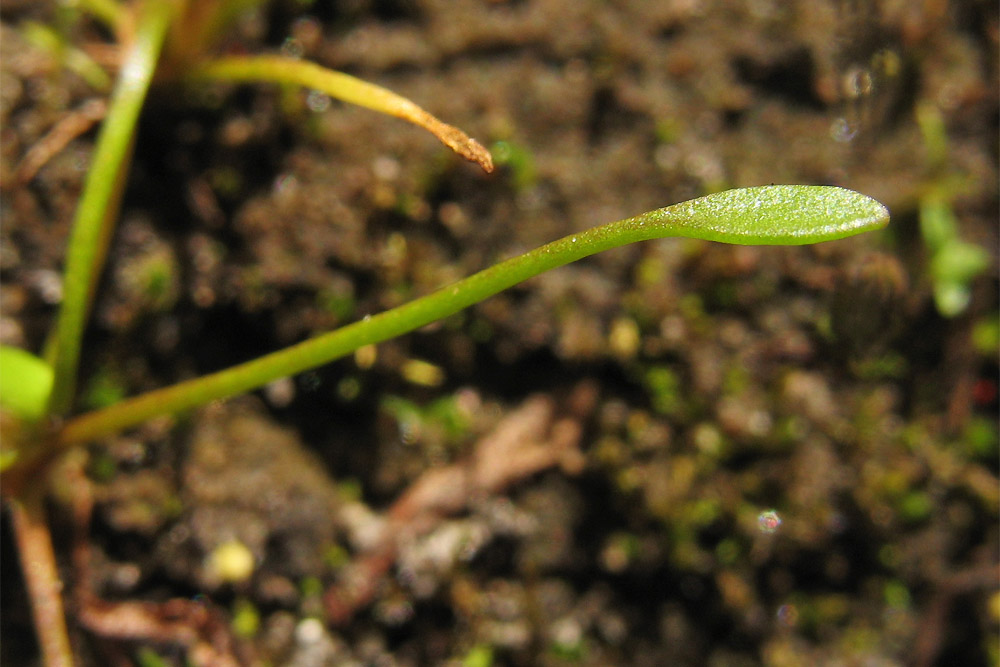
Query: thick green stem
780	215
98	208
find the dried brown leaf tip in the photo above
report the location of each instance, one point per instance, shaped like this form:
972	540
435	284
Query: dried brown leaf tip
458	141
471	150
344	87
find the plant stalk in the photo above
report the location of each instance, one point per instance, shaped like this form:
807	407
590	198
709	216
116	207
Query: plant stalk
98	207
777	215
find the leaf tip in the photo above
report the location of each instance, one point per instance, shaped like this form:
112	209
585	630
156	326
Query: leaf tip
464	145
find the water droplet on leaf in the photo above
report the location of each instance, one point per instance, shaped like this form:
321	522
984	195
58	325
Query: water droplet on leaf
317	101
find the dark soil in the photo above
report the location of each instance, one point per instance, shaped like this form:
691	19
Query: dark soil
703	384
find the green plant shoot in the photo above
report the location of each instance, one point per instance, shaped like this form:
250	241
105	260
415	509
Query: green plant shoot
767	215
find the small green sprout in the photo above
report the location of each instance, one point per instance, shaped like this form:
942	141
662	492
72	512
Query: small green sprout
774	215
246	618
954	262
167	42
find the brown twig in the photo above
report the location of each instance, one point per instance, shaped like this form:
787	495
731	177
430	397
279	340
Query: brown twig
197	626
69	127
527	441
41	576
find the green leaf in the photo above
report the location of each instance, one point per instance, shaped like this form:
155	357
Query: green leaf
769	215
952	268
937	222
281	69
958	261
25	383
775	215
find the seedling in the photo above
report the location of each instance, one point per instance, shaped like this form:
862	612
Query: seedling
954	262
161	39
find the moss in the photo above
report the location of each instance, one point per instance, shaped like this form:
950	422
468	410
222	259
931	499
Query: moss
105	387
246	618
665	390
519	161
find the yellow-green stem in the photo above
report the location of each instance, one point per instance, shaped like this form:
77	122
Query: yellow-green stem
98	207
280	69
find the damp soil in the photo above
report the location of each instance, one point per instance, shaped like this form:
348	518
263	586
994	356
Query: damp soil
574	472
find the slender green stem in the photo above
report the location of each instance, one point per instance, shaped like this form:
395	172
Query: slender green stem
98	207
782	215
53	42
279	69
